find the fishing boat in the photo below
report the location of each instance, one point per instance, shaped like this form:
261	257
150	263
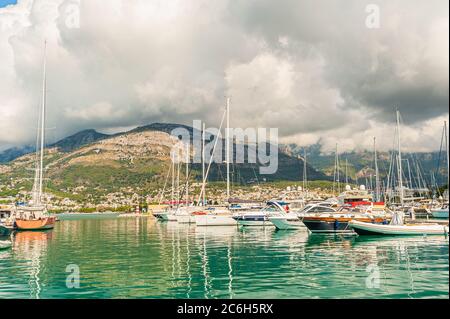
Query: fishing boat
35	216
260	217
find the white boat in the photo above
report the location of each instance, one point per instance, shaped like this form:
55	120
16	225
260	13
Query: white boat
213	216
5	244
260	217
287	222
363	228
440	212
184	214
220	217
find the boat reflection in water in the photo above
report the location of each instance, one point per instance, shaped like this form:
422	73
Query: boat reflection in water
31	246
141	258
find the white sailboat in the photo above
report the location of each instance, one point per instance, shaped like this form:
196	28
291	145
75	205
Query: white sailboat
219	217
442	212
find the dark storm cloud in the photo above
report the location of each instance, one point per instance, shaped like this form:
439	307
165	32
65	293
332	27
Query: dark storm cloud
304	67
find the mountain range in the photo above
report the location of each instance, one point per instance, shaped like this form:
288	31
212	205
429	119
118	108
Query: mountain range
90	164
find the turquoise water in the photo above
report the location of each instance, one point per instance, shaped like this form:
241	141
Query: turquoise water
142	258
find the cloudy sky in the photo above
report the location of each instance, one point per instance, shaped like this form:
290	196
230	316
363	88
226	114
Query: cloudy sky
313	69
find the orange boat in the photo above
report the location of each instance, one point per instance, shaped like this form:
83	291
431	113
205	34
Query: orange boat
36	224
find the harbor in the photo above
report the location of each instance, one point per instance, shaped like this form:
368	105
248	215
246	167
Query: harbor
143	258
224	151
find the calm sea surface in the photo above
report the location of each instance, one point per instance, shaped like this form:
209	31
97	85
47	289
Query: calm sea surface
142	258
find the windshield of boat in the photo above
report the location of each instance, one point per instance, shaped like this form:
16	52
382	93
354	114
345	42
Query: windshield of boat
306	208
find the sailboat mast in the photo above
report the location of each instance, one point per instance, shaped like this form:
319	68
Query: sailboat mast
346	171
173	179
42	133
400	178
227	137
187	176
337	170
377	178
446	148
305	176
203	164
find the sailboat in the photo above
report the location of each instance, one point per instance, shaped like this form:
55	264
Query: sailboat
397	225
219	217
35	216
442	212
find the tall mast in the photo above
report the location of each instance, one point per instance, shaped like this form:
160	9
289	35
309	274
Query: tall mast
178	177
377	178
409	174
187	176
346	171
173	179
446	148
337	170
203	164
305	176
227	141
42	135
400	178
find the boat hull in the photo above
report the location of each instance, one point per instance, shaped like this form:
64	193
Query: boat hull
439	213
362	228
4	231
333	225
252	220
185	219
282	223
5	245
36	224
215	220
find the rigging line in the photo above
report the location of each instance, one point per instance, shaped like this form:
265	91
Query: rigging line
439	158
212	155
